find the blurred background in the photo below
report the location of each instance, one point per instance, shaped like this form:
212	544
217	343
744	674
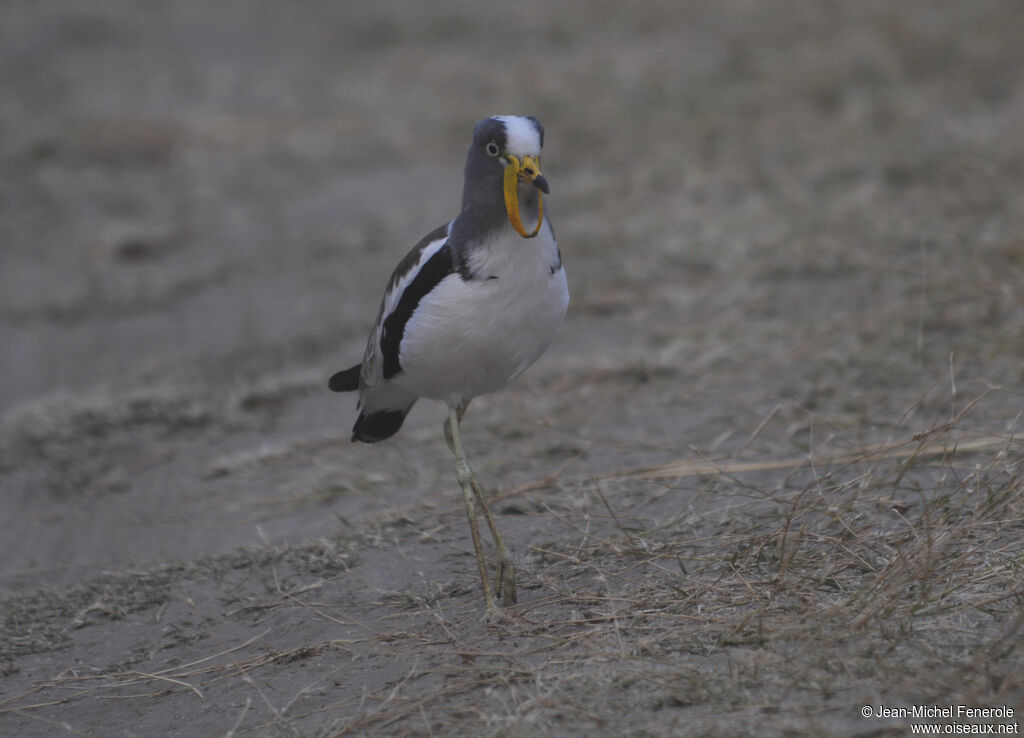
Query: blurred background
808	212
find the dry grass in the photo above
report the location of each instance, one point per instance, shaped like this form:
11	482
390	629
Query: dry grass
769	473
781	597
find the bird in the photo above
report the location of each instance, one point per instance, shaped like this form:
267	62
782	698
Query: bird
469	309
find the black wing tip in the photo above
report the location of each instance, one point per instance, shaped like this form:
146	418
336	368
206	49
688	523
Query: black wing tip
378	426
346	380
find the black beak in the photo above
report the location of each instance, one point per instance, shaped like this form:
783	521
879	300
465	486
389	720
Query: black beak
542	184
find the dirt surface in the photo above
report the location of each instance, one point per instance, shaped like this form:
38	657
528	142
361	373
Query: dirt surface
769	472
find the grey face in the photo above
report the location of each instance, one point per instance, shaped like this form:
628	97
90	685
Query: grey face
494	140
484	165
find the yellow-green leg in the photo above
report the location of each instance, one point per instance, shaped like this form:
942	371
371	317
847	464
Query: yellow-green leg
505	581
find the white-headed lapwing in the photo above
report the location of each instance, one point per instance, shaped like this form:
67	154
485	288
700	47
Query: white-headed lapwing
474	304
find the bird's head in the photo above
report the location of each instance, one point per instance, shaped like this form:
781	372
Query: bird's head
507	148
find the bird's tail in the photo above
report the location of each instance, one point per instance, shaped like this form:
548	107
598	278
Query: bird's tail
375	425
347	380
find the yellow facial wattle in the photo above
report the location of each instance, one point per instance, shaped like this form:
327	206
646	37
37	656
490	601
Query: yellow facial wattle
515	171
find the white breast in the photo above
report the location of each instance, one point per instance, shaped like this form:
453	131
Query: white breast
468	338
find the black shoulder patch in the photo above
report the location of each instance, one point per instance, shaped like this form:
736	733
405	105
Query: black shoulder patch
410	259
436	268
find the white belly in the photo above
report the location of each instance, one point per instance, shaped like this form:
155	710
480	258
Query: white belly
468	338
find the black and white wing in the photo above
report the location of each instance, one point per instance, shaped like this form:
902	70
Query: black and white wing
383	404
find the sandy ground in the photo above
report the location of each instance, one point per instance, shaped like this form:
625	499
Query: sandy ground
769	472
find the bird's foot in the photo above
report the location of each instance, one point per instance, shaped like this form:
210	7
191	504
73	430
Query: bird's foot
498	616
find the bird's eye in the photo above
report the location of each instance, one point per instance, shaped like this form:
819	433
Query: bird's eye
492	149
